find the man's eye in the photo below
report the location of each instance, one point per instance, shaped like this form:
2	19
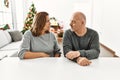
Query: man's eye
73	21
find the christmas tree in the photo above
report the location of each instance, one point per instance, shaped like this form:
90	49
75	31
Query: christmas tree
29	18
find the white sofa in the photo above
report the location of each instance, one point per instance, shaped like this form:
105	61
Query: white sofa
8	46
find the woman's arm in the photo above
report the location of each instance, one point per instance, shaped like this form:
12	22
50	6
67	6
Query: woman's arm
31	55
57	52
57	55
25	53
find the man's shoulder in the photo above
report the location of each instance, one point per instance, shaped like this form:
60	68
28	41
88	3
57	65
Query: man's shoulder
91	30
68	31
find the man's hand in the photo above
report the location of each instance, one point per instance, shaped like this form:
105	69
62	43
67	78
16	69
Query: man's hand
83	61
72	54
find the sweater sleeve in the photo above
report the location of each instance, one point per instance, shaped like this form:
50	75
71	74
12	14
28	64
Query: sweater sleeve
56	46
94	50
25	46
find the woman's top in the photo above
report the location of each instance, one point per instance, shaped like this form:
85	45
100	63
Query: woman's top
44	43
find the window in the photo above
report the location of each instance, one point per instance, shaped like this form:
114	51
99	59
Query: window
5	13
19	6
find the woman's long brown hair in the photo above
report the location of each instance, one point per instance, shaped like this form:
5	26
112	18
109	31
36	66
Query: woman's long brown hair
38	24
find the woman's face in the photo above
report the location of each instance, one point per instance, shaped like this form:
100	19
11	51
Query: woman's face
47	25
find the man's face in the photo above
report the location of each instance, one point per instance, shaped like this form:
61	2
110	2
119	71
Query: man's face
75	23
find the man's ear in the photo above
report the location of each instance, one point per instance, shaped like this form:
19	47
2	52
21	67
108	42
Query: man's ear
83	22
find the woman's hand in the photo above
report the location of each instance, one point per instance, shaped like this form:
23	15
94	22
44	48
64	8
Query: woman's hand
57	55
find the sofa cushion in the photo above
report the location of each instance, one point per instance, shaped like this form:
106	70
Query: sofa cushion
11	46
10	53
2	55
3	39
8	36
15	35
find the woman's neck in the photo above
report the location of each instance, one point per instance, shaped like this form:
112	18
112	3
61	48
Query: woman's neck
44	32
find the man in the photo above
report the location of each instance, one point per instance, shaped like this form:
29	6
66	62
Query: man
80	44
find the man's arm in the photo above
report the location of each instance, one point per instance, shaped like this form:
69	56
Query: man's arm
94	48
72	54
83	61
67	45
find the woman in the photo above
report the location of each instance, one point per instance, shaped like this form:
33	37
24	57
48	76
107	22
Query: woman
39	42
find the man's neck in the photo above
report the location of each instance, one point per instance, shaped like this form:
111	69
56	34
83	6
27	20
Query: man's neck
81	32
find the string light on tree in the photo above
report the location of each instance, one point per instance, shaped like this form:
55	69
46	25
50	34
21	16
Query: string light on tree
29	18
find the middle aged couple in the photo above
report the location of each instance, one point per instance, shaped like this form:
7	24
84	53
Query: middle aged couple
80	44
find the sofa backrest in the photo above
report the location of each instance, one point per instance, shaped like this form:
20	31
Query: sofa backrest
8	36
5	38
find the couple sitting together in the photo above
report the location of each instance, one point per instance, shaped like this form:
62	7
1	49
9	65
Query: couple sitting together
80	44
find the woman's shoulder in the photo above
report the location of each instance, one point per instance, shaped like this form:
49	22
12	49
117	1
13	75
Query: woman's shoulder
28	32
52	34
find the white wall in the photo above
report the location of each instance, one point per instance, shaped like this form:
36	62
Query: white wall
97	16
102	15
107	22
111	22
63	9
19	14
86	8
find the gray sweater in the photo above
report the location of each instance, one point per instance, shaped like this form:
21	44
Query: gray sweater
45	43
87	45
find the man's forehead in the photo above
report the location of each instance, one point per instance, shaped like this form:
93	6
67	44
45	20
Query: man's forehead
74	17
